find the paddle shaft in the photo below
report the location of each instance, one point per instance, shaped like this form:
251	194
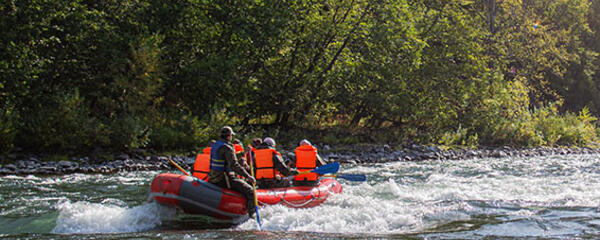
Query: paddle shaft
179	167
349	177
254	189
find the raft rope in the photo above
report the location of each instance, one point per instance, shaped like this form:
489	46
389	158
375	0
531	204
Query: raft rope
312	198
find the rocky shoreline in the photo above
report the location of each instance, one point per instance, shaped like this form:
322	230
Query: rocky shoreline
31	164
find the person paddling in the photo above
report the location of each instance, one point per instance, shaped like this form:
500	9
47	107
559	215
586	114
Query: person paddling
241	156
269	166
307	158
224	166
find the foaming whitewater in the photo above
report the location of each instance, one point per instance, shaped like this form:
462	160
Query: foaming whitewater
536	197
363	208
414	197
107	217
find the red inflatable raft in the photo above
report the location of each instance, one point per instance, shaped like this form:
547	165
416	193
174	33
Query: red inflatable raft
194	196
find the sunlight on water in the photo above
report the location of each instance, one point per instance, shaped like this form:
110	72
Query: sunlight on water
359	209
554	196
410	197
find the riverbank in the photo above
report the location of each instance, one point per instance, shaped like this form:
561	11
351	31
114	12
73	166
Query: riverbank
26	164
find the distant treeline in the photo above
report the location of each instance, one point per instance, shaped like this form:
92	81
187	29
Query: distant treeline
112	74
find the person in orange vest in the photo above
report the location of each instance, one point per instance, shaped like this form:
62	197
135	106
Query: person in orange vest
224	167
269	166
201	166
239	153
256	142
307	158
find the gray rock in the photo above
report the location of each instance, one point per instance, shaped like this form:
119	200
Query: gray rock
499	154
428	156
472	153
387	148
122	156
48	169
11	167
432	149
21	164
34	159
67	164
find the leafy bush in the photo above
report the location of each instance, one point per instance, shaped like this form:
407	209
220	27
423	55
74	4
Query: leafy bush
566	129
62	125
177	131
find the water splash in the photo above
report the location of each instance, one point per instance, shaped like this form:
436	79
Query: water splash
107	217
412	197
361	208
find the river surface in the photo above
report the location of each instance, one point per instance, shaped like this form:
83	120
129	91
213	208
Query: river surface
538	197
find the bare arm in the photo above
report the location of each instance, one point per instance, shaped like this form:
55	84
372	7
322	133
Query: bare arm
281	167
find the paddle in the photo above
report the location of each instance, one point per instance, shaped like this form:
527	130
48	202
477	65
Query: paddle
325	169
180	168
254	189
349	177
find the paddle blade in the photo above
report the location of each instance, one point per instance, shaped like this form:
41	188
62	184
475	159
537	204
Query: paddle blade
327	168
258	219
353	177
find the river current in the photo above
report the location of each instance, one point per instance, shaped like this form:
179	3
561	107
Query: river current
536	197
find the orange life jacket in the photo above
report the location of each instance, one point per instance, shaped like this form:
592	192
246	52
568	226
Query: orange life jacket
238	148
202	165
264	163
306	160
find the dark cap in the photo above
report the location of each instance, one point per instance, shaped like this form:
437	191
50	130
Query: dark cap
256	142
226	131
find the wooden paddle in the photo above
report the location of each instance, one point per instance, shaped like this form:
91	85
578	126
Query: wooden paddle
179	167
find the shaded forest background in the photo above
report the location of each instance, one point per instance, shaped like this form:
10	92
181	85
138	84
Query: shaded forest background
78	75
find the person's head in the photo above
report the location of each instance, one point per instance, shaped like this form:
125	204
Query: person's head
304	142
236	141
227	133
269	142
256	142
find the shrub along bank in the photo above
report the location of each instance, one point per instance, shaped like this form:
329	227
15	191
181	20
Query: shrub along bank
110	76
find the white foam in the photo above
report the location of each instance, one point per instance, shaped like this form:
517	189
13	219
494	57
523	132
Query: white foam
106	217
414	196
360	209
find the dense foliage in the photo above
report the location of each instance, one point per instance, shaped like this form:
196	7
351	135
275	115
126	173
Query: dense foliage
79	75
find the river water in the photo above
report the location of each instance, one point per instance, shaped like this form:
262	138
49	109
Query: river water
538	197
